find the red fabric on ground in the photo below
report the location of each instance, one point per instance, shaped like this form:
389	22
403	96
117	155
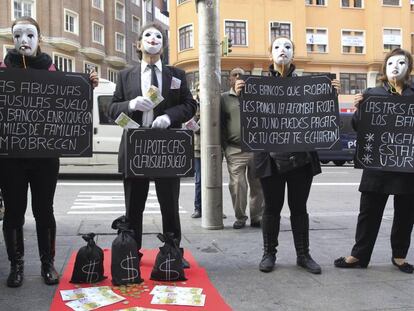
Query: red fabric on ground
196	277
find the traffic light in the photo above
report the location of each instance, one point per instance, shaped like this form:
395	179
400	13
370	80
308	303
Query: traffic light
226	46
229	45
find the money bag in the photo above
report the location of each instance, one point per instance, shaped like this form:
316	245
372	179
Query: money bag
125	255
168	264
88	266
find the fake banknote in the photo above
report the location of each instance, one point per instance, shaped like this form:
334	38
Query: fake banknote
179	299
126	122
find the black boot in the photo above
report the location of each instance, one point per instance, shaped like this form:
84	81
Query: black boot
270	229
300	229
46	240
186	264
15	251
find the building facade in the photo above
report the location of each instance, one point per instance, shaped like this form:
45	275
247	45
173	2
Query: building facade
85	34
346	37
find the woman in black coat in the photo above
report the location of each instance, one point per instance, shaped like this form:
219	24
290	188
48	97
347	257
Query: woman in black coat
40	173
376	185
278	169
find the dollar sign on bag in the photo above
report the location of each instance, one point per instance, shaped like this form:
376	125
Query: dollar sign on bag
89	269
129	266
168	272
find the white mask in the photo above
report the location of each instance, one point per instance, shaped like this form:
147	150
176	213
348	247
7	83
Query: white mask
26	39
397	67
282	51
152	41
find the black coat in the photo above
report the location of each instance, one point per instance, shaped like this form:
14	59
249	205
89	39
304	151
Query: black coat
268	163
178	103
42	61
382	181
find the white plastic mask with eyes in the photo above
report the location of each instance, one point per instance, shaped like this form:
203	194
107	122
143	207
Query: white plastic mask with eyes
282	51
152	41
26	39
397	67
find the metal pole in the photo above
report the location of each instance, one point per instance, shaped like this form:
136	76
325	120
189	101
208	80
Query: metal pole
209	66
144	12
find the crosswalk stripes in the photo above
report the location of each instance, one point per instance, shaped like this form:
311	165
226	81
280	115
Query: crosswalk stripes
111	202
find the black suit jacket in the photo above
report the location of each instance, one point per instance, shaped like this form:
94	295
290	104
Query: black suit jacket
178	103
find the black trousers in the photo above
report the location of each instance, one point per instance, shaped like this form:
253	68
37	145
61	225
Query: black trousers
168	192
369	221
17	174
298	183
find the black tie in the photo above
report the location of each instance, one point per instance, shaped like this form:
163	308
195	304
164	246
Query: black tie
154	80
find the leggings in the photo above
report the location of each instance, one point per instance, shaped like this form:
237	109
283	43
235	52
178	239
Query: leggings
17	174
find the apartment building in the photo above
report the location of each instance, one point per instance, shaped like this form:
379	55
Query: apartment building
346	37
85	34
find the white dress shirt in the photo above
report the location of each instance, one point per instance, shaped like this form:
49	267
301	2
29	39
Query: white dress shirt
148	116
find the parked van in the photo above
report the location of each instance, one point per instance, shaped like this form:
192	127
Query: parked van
348	141
106	134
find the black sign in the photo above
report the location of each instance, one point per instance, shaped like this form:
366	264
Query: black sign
159	153
45	114
289	114
386	133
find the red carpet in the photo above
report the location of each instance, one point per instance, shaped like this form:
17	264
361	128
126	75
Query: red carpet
196	277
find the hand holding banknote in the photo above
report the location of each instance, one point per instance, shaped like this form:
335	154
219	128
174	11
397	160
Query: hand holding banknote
141	103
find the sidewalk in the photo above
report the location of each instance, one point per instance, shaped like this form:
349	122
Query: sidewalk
231	258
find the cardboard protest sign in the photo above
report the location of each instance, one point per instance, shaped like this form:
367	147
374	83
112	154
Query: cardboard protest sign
159	153
289	114
45	114
385	138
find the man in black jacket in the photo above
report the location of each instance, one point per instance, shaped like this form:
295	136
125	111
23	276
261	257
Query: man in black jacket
177	107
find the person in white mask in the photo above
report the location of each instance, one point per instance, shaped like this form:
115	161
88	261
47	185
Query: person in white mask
177	107
26	39
40	173
282	55
376	185
280	170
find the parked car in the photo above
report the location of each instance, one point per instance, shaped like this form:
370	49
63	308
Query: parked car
348	140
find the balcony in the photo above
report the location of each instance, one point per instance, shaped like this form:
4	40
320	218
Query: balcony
6	33
116	61
93	53
63	43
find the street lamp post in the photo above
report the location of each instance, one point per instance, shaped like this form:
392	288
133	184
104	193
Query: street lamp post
210	76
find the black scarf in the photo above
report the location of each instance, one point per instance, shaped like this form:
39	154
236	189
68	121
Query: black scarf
14	59
276	73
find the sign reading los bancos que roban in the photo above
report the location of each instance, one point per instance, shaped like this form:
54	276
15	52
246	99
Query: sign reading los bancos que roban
159	153
385	138
45	114
289	114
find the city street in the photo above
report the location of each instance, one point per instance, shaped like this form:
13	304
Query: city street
231	257
157	87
